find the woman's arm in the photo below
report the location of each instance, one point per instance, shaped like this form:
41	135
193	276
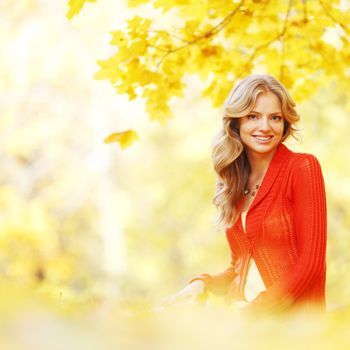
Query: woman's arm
310	219
218	283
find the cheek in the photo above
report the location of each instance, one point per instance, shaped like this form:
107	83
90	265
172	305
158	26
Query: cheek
279	128
245	134
246	127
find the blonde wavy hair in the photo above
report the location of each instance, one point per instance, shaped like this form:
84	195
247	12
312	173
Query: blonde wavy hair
229	158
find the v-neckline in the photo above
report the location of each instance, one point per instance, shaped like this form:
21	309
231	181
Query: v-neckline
244	222
277	160
275	164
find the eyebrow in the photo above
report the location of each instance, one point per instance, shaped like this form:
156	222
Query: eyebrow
270	113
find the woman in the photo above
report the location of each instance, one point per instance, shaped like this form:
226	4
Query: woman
271	202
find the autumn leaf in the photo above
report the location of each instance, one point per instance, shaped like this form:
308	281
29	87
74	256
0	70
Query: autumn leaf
222	41
125	138
75	7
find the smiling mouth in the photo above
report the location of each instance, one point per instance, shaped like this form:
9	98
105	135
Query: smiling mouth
263	138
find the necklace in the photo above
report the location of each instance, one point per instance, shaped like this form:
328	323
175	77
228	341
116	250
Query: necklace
247	191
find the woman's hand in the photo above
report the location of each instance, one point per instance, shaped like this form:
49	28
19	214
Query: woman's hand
241	304
188	295
242	308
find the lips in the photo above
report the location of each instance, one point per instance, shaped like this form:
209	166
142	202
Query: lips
263	138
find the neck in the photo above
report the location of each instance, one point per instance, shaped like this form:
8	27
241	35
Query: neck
259	164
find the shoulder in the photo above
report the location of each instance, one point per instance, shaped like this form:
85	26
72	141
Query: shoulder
305	167
304	160
298	159
303	175
300	163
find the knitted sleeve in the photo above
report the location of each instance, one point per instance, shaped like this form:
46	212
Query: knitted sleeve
218	283
310	224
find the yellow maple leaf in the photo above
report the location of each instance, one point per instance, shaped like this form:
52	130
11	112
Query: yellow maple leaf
75	7
118	38
125	138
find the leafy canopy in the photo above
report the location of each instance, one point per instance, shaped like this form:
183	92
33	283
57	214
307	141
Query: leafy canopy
302	43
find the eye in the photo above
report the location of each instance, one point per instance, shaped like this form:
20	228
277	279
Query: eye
252	117
276	117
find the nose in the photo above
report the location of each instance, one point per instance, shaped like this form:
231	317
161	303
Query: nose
264	124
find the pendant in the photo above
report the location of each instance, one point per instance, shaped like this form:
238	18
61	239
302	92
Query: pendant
253	193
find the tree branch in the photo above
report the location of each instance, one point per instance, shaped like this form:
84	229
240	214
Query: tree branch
171	35
305	10
205	35
283	39
273	39
335	21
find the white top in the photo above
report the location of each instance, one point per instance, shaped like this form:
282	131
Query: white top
254	283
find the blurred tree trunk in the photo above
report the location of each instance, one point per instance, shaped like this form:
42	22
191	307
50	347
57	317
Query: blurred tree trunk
114	258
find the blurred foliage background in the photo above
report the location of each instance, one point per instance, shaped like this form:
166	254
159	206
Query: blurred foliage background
91	236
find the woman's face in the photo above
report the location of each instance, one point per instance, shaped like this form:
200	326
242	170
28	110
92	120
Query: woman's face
261	131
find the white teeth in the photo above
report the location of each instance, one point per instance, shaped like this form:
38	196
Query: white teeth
263	138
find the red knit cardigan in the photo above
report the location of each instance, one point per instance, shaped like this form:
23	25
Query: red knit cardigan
286	233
